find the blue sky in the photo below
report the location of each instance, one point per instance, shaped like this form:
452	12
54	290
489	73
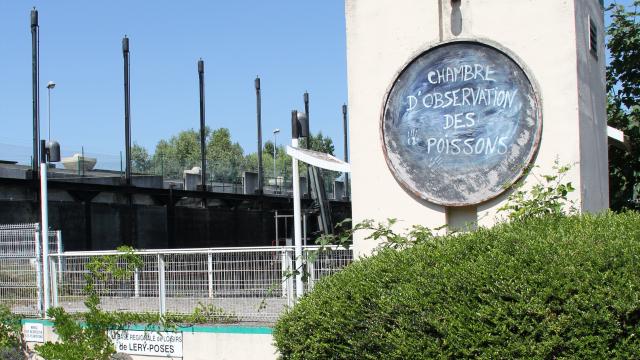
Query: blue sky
293	45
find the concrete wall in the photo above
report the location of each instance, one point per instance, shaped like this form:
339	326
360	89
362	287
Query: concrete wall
593	114
208	342
205	346
103	226
106	221
543	37
384	35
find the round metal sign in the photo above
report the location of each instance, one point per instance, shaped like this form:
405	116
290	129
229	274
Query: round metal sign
460	124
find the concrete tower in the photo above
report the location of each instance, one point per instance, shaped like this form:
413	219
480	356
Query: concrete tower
526	76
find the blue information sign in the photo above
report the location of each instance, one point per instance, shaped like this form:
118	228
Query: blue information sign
460	124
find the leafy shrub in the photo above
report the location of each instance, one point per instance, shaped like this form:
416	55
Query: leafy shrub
91	341
8	353
85	336
543	288
11	343
547	196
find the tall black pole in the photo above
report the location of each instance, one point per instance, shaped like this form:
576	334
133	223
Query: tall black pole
35	63
203	150
306	112
346	150
295	125
130	222
308	140
259	120
127	110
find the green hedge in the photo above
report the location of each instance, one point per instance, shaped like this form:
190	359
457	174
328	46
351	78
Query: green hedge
548	288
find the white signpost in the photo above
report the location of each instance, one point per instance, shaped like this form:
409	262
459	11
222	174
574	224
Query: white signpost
317	159
151	343
33	332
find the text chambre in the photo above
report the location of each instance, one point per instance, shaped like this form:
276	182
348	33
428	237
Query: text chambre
479	95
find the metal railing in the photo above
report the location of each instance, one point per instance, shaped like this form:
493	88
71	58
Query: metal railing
21	267
239	284
231	284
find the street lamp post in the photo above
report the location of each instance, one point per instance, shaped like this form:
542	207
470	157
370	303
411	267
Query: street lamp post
49	152
346	151
275	139
50	86
298	130
297	232
312	158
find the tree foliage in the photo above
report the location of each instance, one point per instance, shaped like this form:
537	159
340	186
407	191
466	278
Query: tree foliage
226	159
140	159
623	109
282	163
319	143
178	153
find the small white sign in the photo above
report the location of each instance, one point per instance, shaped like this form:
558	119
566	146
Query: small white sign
153	343
33	332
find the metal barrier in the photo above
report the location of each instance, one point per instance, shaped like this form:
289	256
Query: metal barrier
237	284
21	267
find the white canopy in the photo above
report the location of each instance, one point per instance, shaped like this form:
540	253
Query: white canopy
318	159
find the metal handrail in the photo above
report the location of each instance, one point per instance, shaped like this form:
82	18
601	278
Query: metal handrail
197	250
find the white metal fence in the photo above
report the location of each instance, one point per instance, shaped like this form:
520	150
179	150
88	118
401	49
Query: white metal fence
21	267
232	284
237	284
